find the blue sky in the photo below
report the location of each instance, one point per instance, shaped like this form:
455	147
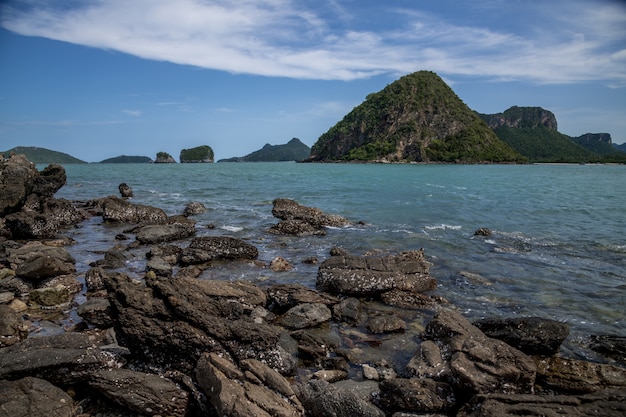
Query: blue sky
101	78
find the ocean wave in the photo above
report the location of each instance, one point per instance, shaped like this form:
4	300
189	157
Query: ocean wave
231	228
444	227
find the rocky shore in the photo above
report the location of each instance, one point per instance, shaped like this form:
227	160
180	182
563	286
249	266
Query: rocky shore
373	338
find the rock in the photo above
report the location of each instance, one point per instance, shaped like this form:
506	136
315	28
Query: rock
43	267
286	209
43	219
125	190
348	310
478	364
94	279
607	403
483	231
34	397
420	395
282	297
574	376
296	228
114	258
409	300
428	362
36	249
531	335
306	315
408	271
146	394
50	180
385	323
12	328
159	266
330	375
369	372
194	208
159	233
280	264
17	179
234	393
322	399
63	358
50	297
610	346
115	209
97	312
207	248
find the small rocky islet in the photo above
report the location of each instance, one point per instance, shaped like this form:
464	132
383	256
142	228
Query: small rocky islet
372	339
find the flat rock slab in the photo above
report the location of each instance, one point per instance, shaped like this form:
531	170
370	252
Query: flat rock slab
34	397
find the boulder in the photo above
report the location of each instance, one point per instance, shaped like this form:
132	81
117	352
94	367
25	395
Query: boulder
356	275
611	346
606	403
476	363
565	375
194	208
142	393
97	312
207	248
322	399
43	267
116	209
385	323
34	397
531	335
159	233
296	228
280	264
306	315
94	279
125	190
12	327
256	392
286	209
422	395
17	179
64	358
282	297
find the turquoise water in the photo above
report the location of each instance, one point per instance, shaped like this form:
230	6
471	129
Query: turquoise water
558	248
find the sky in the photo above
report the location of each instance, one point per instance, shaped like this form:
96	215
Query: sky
102	78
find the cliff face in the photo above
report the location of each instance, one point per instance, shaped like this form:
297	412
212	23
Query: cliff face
198	154
164	158
522	117
417	118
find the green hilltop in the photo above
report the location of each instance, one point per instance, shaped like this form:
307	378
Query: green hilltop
294	150
417	118
43	155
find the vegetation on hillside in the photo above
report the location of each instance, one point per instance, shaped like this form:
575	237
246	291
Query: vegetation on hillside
123	159
416	118
43	155
202	153
294	150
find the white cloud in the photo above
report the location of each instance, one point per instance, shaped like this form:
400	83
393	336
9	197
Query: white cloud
283	38
135	113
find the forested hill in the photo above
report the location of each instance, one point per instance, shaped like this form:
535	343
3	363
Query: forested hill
417	118
294	150
43	155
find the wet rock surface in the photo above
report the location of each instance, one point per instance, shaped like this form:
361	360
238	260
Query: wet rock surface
372	339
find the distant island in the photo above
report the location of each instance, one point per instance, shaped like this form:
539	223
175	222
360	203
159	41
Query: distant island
42	155
294	150
123	159
199	154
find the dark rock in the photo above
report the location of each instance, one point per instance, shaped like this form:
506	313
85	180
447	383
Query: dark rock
428	362
94	279
159	266
610	346
296	228
43	267
158	233
12	328
207	248
34	397
50	180
306	315
96	311
114	258
146	394
531	335
348	310
606	403
477	363
125	190
385	323
322	399
407	271
420	395
280	264
286	209
483	231
575	376
50	297
17	179
194	208
282	297
36	249
409	300
63	358
259	392
42	220
115	209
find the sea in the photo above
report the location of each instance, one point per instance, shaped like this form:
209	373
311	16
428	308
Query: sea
557	248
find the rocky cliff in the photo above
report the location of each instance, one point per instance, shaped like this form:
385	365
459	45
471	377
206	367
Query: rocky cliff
164	158
294	150
522	117
198	154
417	118
599	143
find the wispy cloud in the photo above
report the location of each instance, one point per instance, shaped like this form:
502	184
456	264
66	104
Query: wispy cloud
583	40
135	113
